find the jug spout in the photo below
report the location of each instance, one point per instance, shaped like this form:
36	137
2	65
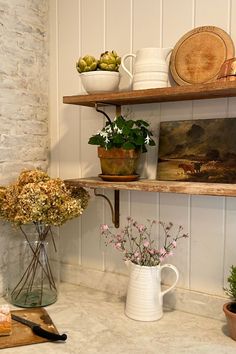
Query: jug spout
166	52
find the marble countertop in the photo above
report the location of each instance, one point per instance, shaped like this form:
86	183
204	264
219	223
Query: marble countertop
95	323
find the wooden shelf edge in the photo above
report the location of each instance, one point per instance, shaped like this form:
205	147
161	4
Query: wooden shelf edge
195	188
217	89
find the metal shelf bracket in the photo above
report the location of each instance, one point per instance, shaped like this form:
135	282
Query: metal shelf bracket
115	211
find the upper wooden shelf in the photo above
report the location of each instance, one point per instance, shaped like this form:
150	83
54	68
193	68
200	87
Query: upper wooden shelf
217	189
167	94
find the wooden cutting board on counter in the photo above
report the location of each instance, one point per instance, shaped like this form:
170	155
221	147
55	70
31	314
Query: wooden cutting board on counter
23	335
198	56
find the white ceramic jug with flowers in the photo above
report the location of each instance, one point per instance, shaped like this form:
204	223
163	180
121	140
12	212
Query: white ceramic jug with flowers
150	68
144	301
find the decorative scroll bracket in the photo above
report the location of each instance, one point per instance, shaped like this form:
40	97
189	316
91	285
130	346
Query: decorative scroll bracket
118	111
115	212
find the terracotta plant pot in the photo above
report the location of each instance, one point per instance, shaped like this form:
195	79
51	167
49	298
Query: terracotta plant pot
118	161
231	318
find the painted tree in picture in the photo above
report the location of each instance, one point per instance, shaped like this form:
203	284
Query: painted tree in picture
202	150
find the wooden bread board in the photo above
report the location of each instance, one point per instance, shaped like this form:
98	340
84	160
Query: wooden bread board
198	56
22	334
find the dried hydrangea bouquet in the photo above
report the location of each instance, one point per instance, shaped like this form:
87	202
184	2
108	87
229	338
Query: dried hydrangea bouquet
38	200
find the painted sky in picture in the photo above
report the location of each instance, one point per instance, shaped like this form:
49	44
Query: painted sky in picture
202	150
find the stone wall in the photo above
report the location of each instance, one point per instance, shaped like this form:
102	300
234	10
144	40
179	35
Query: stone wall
23	95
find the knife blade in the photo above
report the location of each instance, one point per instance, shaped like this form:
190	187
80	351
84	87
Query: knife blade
38	330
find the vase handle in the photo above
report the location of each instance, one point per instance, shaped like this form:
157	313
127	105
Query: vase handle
123	64
176	280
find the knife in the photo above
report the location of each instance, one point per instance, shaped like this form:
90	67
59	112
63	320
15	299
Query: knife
38	330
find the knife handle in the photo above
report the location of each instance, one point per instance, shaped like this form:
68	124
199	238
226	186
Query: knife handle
39	331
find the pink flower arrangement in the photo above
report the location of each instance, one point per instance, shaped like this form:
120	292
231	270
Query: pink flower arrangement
135	241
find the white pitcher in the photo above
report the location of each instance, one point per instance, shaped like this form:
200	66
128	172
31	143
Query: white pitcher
144	301
150	68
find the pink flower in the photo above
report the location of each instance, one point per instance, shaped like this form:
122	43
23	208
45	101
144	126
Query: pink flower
118	245
140	227
174	243
104	227
146	243
162	251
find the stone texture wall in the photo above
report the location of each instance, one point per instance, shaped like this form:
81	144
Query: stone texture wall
23	95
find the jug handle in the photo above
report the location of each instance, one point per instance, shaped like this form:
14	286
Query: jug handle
176	280
123	64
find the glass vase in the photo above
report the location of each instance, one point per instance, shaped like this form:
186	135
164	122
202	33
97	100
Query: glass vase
33	268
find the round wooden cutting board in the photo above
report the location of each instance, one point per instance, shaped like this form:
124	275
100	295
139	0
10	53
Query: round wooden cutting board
197	57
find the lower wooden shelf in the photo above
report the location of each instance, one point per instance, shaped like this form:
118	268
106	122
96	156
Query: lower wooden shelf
147	185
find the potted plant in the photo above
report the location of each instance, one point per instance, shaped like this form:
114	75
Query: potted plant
144	258
99	75
120	144
33	204
230	307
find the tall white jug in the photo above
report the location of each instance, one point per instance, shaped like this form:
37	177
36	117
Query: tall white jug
150	68
144	301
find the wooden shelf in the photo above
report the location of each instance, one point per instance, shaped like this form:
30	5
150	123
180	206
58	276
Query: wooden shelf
216	189
178	93
167	94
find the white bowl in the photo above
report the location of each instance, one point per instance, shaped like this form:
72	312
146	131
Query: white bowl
100	81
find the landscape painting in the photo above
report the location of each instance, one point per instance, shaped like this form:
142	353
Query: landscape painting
202	150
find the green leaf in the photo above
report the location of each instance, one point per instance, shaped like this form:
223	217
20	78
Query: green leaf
128	146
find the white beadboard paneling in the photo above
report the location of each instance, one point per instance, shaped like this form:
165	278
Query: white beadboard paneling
231	107
146	24
173	25
68	46
69	123
213	108
70	242
90	245
144	206
118	37
92	27
212	13
232	29
91	122
172	111
148	161
175	208
92	42
207	244
230	239
69	146
113	259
